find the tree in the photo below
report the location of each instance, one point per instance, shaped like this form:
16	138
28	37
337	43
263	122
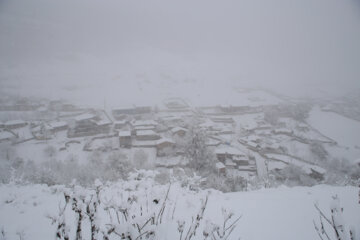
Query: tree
195	148
319	151
140	159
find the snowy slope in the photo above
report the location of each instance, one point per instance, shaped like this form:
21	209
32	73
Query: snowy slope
283	213
345	131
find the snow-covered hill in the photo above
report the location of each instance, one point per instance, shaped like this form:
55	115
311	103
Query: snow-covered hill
282	213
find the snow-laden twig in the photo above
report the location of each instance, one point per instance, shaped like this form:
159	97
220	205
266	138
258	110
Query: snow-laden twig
335	221
195	223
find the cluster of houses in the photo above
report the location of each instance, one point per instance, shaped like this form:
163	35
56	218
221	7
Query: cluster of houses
147	127
232	158
144	133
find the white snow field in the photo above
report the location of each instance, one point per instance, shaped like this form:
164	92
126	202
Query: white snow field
281	214
345	131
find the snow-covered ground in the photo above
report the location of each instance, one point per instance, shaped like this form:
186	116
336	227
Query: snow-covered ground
345	131
282	213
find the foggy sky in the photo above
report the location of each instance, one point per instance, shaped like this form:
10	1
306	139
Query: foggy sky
293	46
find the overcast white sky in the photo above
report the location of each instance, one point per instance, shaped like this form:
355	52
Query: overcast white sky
297	46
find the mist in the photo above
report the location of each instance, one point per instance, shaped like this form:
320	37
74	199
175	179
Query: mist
298	48
189	120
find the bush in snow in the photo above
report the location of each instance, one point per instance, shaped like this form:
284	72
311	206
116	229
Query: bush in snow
224	183
163	177
342	172
318	150
140	159
294	176
52	171
139	214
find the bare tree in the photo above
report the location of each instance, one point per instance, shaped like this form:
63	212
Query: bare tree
195	149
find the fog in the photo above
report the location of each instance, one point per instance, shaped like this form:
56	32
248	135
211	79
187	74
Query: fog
88	50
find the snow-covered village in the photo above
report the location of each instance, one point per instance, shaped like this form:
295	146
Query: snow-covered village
163	120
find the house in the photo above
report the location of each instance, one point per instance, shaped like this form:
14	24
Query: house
171	120
85	125
144	123
179	131
241	160
283	131
253	145
120	114
248	168
212	142
125	139
120	124
164	146
224	153
222	119
146	135
15	124
220	167
84	117
6	136
42	132
138	128
103	122
58	126
229	163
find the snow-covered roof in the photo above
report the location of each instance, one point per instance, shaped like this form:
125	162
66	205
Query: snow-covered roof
219	165
142	127
240	158
103	122
57	124
85	116
5	135
212	142
14	122
145	133
170	118
229	162
177	129
120	122
252	144
164	140
144	123
229	150
222	119
253	138
124	133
